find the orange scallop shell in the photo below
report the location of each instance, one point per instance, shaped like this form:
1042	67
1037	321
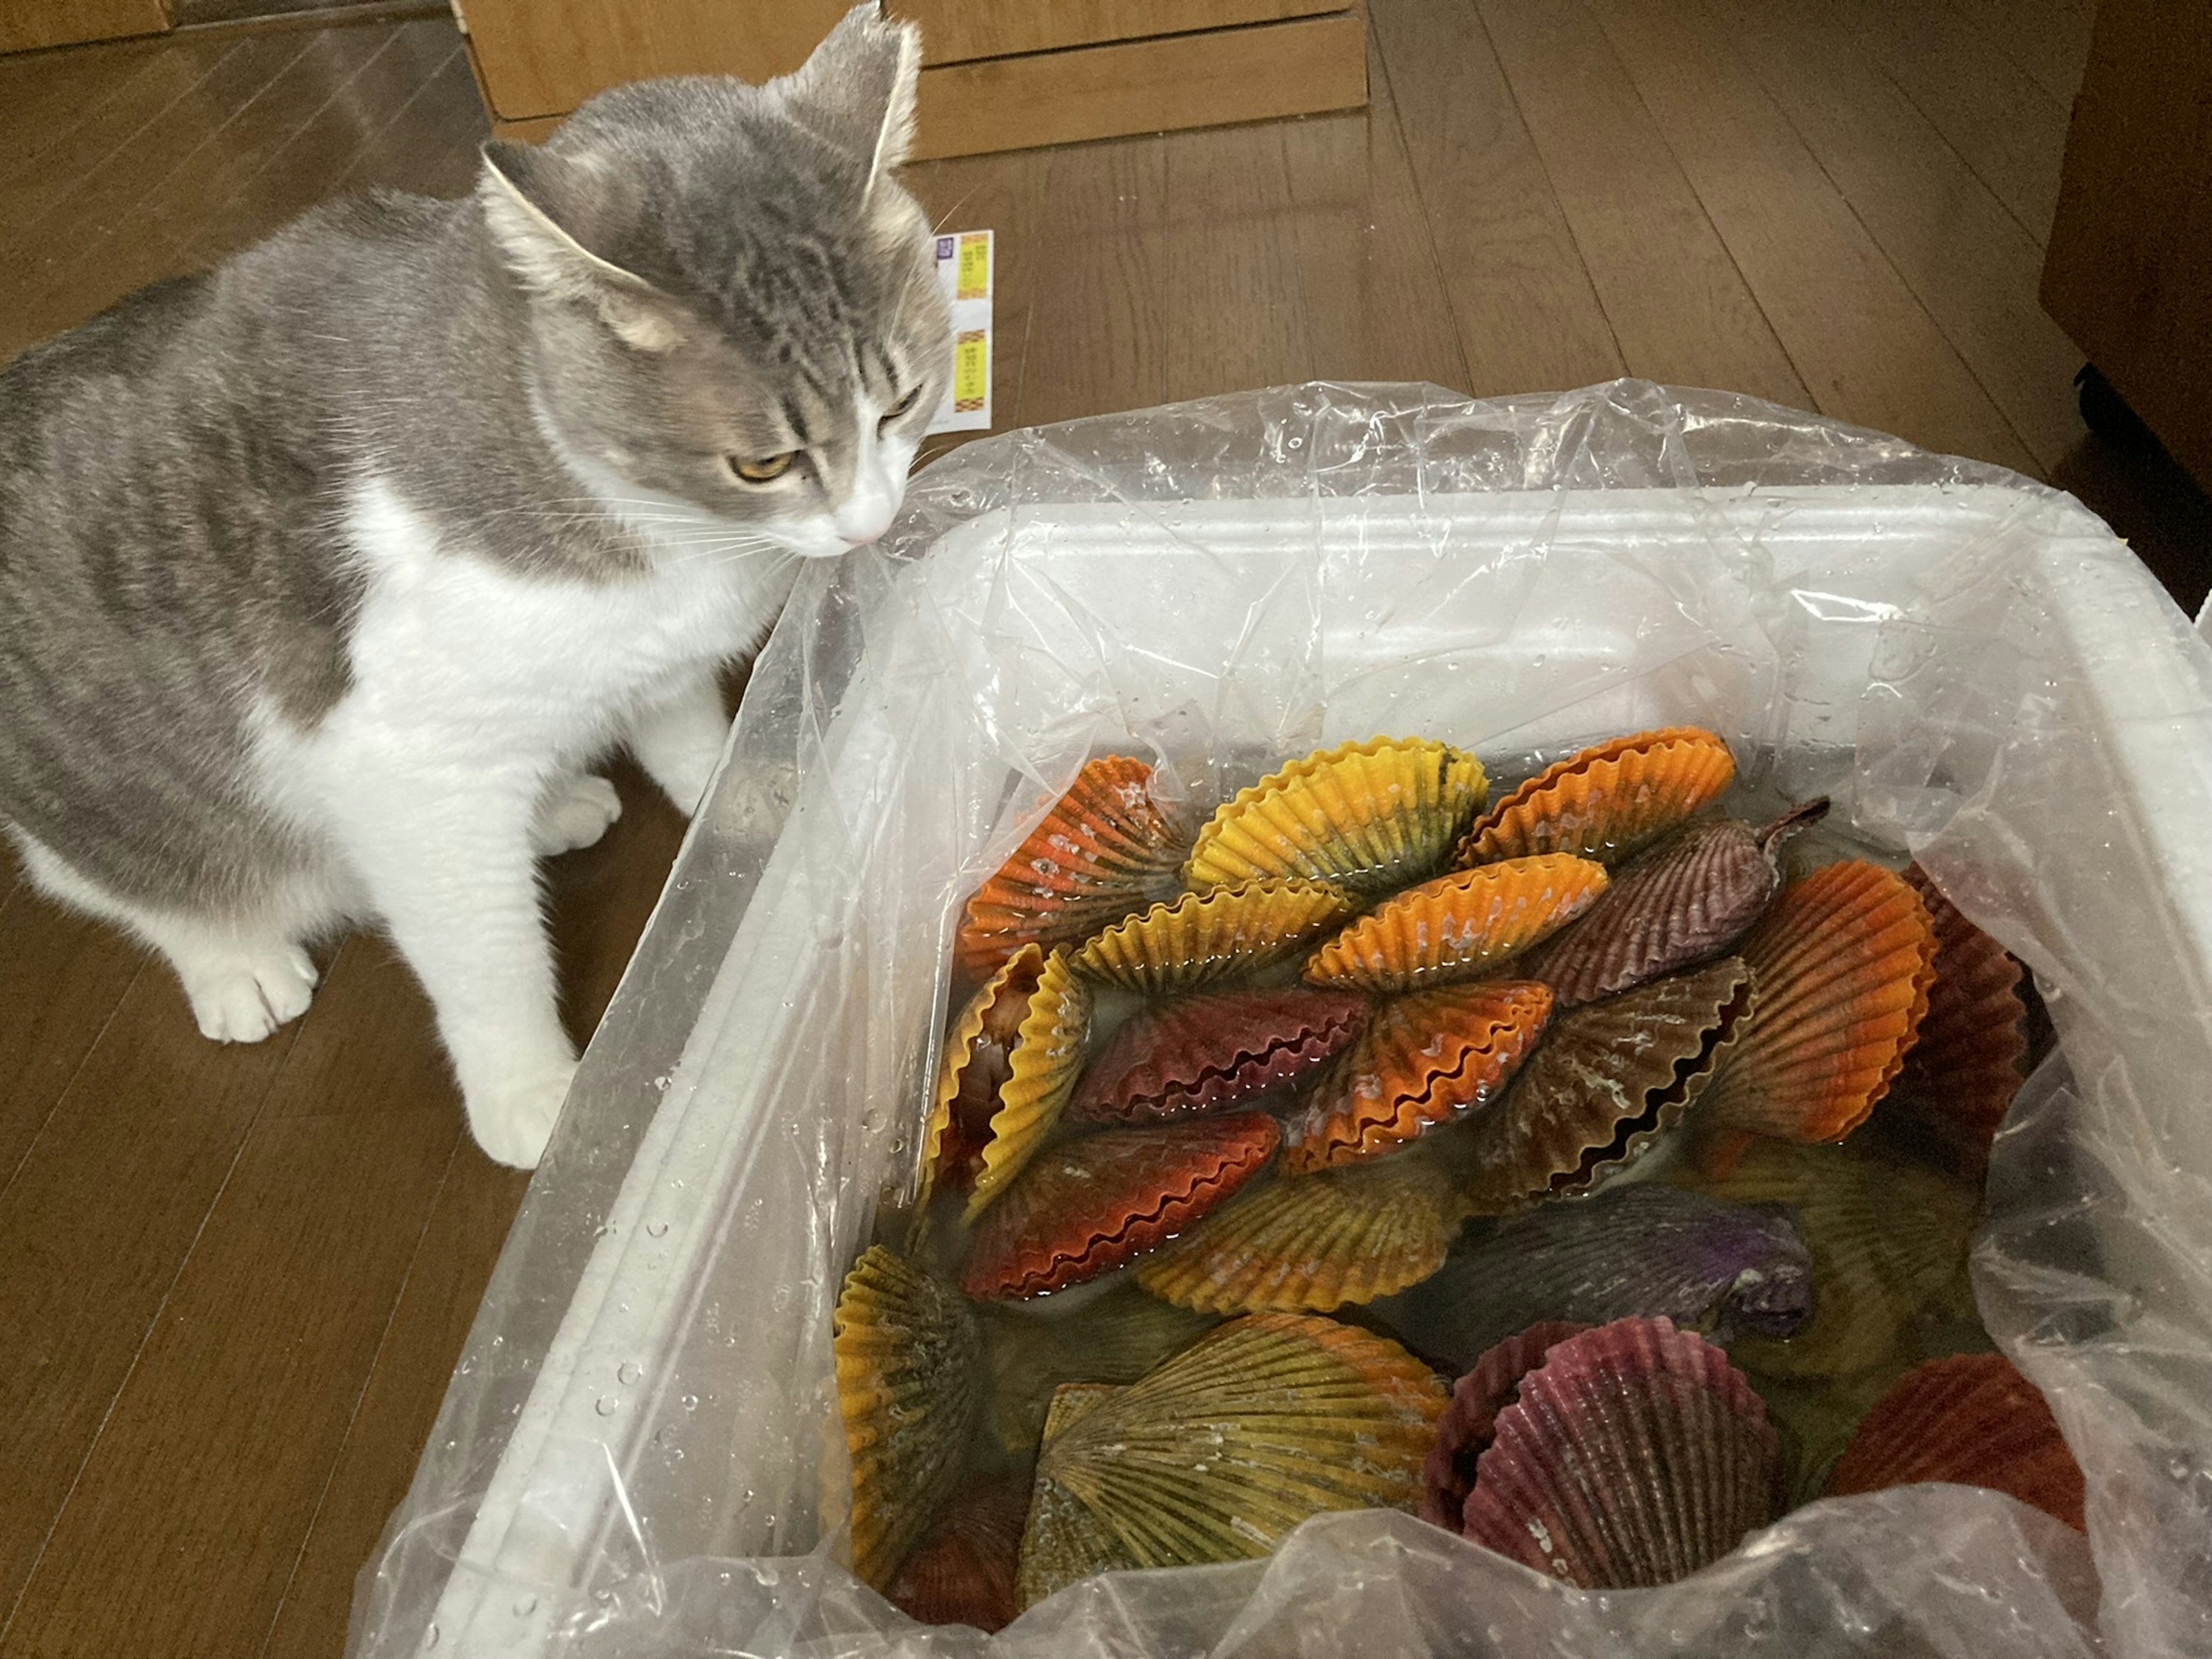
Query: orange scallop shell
975	1066
1101	851
1973	1420
1607	802
962	1570
1958	1079
1459	925
1425	1060
1200	938
1842	965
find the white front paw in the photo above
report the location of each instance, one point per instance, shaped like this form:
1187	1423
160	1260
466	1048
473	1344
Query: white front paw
574	813
242	995
513	1120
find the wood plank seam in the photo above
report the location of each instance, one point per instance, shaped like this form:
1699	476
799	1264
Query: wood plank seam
1380	65
146	961
361	1395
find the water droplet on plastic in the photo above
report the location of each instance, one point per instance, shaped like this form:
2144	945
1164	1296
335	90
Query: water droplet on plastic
657	1230
690	1402
2179	1467
627	1372
607	1405
526	1606
430	1637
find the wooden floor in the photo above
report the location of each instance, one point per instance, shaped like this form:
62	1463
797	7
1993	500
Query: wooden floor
233	1282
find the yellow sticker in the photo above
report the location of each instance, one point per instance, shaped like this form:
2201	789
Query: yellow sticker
972	366
974	278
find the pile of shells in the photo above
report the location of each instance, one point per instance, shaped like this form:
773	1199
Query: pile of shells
1520	1166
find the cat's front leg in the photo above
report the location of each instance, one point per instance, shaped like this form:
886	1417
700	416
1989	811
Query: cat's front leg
678	738
445	855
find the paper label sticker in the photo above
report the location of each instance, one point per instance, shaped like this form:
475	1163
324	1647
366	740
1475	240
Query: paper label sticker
964	270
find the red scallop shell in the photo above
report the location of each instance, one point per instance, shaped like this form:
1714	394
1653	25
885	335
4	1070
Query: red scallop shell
961	1571
1633	1455
1201	1053
1841	966
1607	802
1959	1078
1424	1060
1103	850
1973	1420
1086	1208
1463	1433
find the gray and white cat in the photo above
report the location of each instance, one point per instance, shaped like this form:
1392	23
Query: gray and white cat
325	577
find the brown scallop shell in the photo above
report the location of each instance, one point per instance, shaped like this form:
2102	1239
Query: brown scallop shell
1201	1053
1185	943
1041	1069
1425	1060
1315	1243
1458	926
1089	1206
1973	1420
1959	1078
1608	1081
1633	1455
1607	802
1678	904
1115	1336
1464	1431
909	1364
1842	964
962	1570
1222	1451
976	1064
1101	851
1371	817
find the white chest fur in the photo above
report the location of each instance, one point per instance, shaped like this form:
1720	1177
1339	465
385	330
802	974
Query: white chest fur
493	668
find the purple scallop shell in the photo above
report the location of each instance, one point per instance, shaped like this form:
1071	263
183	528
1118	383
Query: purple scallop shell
1690	897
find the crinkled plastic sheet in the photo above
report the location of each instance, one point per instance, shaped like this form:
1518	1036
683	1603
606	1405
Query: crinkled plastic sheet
639	1454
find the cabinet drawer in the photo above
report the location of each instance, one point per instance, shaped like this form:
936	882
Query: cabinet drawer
956	31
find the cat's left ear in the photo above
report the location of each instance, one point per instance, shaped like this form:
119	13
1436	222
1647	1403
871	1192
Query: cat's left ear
856	93
525	193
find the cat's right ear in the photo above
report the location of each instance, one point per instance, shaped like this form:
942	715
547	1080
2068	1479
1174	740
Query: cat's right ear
522	192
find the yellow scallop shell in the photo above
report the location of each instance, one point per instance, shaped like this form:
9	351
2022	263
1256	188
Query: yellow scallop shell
1046	1062
1371	815
1314	1243
959	1055
1184	943
1458	926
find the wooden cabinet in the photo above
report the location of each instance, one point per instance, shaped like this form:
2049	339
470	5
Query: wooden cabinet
27	24
996	74
2128	270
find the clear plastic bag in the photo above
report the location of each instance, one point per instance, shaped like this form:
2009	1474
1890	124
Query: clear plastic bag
640	1453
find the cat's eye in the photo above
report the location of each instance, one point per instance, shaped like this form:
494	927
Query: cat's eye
763	469
902	404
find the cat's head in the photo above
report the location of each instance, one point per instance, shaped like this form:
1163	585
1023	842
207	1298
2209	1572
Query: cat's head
733	303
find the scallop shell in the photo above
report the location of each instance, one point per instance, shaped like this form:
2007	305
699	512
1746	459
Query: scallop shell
1888	1237
962	1570
1309	1245
1972	1419
1371	817
1842	963
1634	1455
1090	1205
1959	1078
1116	1337
1198	1054
1041	1069
910	1385
1220	1453
1102	850
975	1067
1607	802
1463	1433
1424	1060
1200	938
1458	926
1608	1081
1638	1250
1685	899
